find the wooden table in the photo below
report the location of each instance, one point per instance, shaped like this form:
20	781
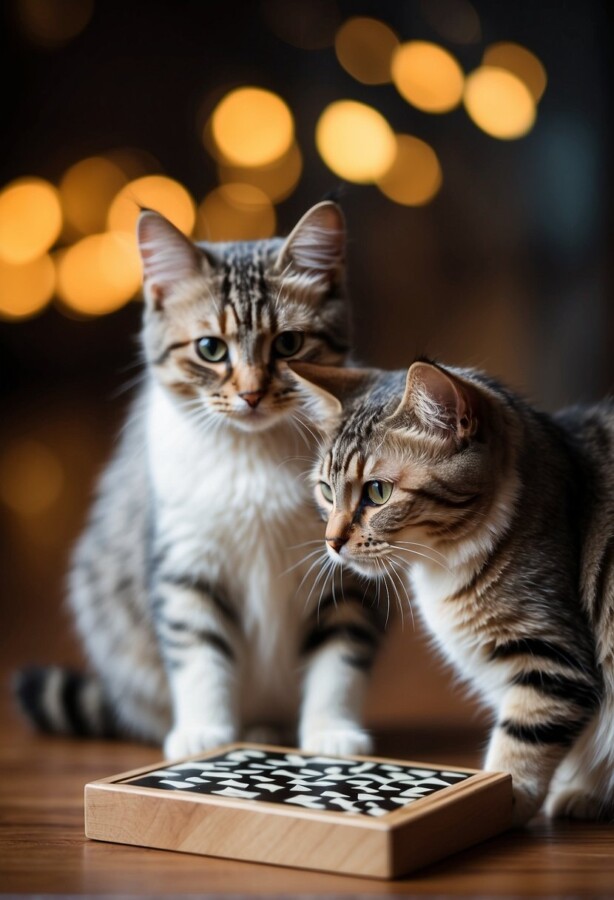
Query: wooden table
43	848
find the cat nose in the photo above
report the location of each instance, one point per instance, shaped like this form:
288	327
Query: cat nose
336	543
252	398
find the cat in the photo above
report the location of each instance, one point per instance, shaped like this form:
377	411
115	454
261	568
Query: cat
502	518
202	615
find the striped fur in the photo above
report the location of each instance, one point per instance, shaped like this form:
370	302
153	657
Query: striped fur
194	587
503	520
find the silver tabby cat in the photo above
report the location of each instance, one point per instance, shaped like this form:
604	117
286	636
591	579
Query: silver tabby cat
503	518
191	588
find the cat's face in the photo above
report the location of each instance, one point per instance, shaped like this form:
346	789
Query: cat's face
222	320
409	471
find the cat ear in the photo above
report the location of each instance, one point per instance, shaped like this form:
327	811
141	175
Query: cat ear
316	246
440	401
331	385
167	255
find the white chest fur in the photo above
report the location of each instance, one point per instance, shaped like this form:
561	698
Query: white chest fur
233	507
457	636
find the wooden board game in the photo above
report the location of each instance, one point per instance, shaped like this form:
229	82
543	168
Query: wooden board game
358	815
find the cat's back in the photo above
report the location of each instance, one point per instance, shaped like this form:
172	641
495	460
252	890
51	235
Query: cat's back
590	431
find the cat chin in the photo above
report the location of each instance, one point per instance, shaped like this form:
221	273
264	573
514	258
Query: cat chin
256	421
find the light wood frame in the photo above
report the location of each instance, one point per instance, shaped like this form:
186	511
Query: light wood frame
387	846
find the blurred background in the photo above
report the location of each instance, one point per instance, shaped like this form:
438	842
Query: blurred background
470	145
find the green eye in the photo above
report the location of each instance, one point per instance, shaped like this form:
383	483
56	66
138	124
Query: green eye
326	491
288	343
212	349
377	492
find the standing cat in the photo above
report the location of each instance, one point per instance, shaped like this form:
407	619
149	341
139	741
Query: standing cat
191	587
506	516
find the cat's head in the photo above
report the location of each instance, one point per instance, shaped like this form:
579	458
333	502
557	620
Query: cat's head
416	464
222	319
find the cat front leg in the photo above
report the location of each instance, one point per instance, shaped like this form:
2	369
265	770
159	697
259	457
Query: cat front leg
198	636
539	719
338	648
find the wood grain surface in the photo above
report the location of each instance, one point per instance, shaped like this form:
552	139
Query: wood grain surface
43	848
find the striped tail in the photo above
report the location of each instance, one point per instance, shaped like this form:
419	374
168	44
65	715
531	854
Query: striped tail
62	701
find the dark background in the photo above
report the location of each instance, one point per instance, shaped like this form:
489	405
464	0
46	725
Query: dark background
506	269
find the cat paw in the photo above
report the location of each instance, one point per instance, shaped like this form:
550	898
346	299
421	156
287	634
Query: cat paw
338	741
188	741
575	803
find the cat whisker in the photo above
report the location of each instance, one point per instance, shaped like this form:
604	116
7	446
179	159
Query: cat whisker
418	544
436	562
300	562
389	572
399	574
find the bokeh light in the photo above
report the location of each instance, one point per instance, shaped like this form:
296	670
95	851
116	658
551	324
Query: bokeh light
355	141
87	190
99	273
30	219
520	62
235	212
455	20
53	23
158	192
414	177
277	180
252	127
499	103
364	47
31	477
26	289
427	76
134	162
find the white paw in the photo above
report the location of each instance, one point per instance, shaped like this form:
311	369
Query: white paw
188	741
339	741
575	803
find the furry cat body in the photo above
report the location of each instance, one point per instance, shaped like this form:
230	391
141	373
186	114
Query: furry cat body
502	518
200	610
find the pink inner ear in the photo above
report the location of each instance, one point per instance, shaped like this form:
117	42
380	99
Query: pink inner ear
317	244
439	400
167	255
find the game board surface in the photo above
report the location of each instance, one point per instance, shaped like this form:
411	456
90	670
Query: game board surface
370	788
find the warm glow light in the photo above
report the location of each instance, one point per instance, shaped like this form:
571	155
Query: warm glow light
99	273
427	76
364	48
26	289
53	22
355	141
499	103
252	127
157	192
31	478
235	212
415	175
86	191
133	161
520	62
277	180
30	219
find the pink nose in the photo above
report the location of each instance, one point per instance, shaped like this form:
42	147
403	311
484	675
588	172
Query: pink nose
336	543
252	398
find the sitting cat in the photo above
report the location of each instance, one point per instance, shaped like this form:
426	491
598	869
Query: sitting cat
198	606
503	518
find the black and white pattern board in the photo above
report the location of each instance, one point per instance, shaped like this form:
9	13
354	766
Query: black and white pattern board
303	780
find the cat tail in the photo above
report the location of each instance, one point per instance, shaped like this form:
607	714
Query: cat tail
57	700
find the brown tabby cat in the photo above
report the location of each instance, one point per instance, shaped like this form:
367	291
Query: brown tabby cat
503	518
